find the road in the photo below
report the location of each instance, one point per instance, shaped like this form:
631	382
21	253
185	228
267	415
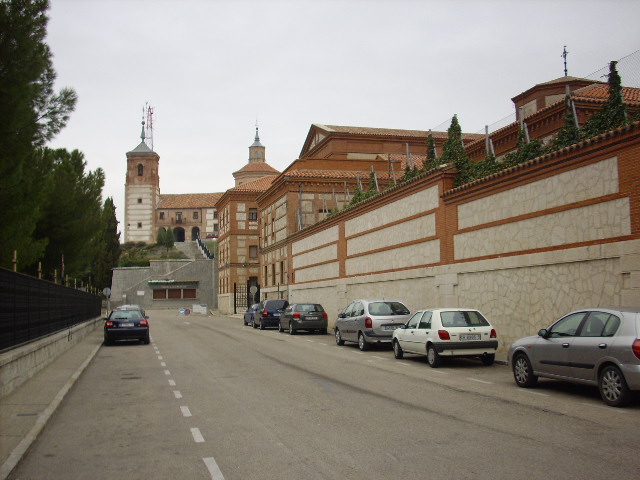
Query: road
212	399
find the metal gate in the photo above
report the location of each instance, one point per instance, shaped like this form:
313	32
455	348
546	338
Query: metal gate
244	296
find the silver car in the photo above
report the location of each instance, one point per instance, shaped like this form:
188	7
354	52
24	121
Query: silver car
368	322
599	346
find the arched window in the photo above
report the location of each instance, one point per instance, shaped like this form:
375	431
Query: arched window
140	170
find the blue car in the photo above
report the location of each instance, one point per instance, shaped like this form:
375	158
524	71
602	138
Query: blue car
269	313
249	314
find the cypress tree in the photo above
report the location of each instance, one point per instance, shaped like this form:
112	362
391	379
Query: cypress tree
614	112
453	152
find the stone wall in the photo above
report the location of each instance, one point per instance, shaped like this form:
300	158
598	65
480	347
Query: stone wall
524	246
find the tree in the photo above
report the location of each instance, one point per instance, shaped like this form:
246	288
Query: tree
569	134
108	253
162	236
453	152
614	112
31	115
170	239
71	221
430	162
525	151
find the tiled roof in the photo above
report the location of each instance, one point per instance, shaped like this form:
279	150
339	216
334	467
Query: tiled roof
257	167
601	92
188	200
259	185
399	162
392	132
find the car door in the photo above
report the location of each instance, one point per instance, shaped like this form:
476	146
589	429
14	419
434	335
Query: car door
592	343
406	335
423	332
552	353
285	319
342	323
355	322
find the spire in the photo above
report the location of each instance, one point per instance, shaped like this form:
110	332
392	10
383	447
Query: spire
142	136
256	141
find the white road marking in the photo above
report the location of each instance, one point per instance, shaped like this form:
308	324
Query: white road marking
160	357
177	393
213	468
479	381
379	358
162	364
531	392
172	383
405	364
310	341
185	411
197	436
167	372
325	344
187	323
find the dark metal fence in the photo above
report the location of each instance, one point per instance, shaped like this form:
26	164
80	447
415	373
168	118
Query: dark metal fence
31	308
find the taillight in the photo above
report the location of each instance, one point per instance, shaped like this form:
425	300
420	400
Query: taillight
296	315
494	334
444	335
265	313
108	324
144	322
368	323
324	315
636	347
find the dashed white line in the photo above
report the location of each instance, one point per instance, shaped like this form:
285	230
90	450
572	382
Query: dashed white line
405	364
479	381
167	372
197	436
185	411
379	358
172	383
177	393
213	468
162	364
160	357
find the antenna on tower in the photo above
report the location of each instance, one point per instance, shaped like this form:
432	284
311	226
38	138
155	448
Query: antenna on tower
564	55
148	111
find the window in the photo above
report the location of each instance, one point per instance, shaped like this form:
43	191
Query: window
139	200
253	214
413	322
282	282
253	251
179	217
139	224
161	215
426	320
140	170
567	326
215	214
195	215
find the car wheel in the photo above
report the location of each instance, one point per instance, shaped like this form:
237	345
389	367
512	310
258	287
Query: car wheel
280	329
433	358
362	343
291	330
522	372
613	387
107	341
397	350
253	324
488	358
261	325
339	339
147	340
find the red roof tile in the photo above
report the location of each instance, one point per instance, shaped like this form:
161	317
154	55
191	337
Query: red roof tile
259	185
189	200
257	167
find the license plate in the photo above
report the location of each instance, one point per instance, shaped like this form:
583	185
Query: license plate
469	336
126	324
276	314
311	318
391	327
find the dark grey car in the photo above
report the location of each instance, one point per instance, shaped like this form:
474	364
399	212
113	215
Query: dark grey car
368	322
304	316
599	346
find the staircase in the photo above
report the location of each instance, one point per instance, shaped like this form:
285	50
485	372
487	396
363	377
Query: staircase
190	249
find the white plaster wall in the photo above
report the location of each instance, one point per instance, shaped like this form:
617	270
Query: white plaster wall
414	204
394	258
585	183
592	222
326	236
330	252
327	270
400	233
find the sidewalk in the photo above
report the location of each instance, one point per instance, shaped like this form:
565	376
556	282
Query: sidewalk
25	412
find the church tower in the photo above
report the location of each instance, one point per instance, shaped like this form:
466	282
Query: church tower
257	167
142	193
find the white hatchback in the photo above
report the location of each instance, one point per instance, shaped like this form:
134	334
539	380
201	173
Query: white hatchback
447	332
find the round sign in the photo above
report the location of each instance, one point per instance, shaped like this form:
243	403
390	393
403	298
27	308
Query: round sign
107	292
253	289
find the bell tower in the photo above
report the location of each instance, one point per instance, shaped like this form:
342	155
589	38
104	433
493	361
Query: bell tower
142	193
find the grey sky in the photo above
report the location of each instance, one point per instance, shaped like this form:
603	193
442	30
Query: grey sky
210	68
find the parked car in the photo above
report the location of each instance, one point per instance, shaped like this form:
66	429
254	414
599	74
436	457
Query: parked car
249	314
126	324
268	313
447	332
304	316
368	322
599	347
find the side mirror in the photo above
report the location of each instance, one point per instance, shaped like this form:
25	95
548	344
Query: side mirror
342	315
544	333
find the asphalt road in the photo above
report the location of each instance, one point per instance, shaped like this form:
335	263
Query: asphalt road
211	399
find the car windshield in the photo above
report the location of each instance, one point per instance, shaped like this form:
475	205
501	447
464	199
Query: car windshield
463	319
388	308
309	307
126	314
276	304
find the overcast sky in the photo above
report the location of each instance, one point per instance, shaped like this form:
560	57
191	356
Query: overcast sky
211	68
